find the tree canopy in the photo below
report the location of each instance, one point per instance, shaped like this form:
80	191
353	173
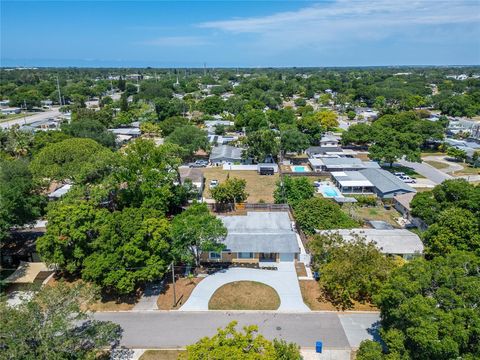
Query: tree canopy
292	190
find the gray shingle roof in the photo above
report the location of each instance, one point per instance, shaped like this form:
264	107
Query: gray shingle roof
226	152
260	232
385	182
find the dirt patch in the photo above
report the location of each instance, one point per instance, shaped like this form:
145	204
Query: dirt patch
374	213
300	269
161	354
244	295
315	299
183	289
259	187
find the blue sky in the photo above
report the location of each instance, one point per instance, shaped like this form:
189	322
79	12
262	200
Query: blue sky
240	33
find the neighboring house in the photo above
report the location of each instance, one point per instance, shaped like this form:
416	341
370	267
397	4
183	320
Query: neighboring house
11	110
402	204
222	154
132	131
386	185
43	125
194	175
352	182
221	139
257	237
340	164
4	102
399	242
329	141
329	151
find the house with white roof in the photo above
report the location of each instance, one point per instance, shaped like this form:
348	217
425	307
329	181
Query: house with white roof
399	242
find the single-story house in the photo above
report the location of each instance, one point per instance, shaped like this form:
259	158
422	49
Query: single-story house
222	154
194	175
386	185
329	141
11	110
132	131
340	164
352	182
400	242
401	203
257	237
221	139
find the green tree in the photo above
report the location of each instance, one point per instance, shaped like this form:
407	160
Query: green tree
370	350
196	230
16	142
310	125
43	138
55	325
170	124
75	159
90	129
292	140
429	309
231	191
328	119
351	115
212	105
190	138
292	190
457	154
231	344
261	144
20	200
322	214
454	229
352	270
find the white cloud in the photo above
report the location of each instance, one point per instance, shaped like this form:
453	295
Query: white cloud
325	25
177	41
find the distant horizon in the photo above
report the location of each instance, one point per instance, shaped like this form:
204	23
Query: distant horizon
185	34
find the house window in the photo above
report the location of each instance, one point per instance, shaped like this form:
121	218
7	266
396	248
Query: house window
214	255
245	255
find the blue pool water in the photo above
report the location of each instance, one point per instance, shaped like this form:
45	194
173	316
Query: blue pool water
299	168
328	191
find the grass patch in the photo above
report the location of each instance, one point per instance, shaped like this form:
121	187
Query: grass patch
161	354
467	170
373	213
316	300
436	164
183	289
244	295
259	187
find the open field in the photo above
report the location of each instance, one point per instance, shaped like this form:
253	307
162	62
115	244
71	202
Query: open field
259	187
183	289
315	299
244	295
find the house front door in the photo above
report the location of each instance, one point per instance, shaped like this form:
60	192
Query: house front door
268	257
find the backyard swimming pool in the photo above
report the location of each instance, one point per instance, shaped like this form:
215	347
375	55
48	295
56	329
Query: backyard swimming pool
328	190
299	168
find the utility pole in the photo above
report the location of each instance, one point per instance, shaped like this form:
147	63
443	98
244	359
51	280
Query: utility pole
173	280
59	93
24	112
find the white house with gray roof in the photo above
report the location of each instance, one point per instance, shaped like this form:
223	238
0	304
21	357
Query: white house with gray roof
340	164
257	237
385	184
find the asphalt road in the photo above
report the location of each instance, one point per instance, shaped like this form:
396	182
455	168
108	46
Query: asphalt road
435	175
32	118
155	329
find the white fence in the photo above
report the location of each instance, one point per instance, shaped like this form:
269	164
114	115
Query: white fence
240	167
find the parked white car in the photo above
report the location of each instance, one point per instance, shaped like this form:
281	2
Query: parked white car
407	179
213	184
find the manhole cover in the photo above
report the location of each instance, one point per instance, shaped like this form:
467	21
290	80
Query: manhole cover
279	328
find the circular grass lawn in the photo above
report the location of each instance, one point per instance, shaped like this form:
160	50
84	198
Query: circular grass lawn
244	295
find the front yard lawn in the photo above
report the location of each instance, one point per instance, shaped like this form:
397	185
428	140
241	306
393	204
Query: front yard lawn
373	213
259	187
244	295
161	354
315	299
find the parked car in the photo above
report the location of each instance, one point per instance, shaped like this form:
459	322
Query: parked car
198	163
407	179
399	174
213	184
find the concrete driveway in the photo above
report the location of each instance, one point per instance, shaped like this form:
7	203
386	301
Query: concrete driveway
284	281
435	175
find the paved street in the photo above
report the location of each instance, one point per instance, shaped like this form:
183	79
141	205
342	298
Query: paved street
158	329
284	281
436	176
32	118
